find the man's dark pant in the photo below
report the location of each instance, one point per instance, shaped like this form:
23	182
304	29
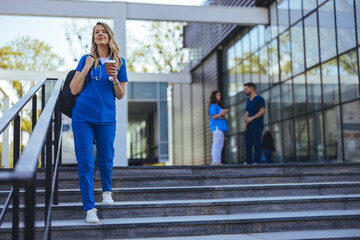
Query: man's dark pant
253	139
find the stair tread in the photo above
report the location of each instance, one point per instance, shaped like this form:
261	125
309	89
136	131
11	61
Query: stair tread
198	219
289	235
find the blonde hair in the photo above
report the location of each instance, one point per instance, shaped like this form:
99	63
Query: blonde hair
113	46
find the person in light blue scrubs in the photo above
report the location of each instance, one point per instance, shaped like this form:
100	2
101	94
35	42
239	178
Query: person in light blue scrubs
218	126
93	116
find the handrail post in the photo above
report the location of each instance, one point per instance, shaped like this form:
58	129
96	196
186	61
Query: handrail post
16	155
30	192
42	108
48	171
56	145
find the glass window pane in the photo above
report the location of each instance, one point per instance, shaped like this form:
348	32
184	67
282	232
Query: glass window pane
300	94
345	24
163	90
275	104
314	89
301	136
240	115
351	128
321	1
330	83
287	99
297	48
233	119
144	90
308	6
264	68
164	121
327	31
239	78
311	40
273	21
231	57
285	59
274	62
283	11
262	35
276	132
238	51
295	11
246	45
357	3
254	40
288	134
232	83
316	137
333	135
241	149
349	78
233	149
266	96
255	69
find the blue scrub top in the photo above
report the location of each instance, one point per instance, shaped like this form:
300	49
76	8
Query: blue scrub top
220	123
253	107
96	102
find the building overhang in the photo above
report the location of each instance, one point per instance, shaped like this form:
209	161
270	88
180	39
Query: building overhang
243	16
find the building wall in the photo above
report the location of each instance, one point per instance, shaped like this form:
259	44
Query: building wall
192	136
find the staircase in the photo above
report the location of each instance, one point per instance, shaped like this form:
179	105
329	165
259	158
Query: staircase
294	201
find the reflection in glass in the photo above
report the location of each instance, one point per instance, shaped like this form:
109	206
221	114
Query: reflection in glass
164	121
275	104
239	78
273	21
295	11
274	62
314	89
266	96
349	78
255	69
351	129
239	52
308	6
264	68
232	83
288	134
311	40
233	119
345	25
262	35
300	94
276	132
231	57
240	115
287	99
333	141
246	46
330	83
316	137
283	11
254	40
233	149
144	90
327	31
297	48
285	59
301	136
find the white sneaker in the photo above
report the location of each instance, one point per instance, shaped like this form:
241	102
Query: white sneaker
107	199
91	216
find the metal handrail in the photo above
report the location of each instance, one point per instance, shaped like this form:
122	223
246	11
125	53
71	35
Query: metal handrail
25	167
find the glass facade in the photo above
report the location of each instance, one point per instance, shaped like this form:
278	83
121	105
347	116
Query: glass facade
306	66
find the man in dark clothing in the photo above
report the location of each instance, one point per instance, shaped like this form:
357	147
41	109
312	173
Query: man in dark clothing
253	123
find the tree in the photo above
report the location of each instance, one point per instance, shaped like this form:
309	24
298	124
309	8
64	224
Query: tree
25	53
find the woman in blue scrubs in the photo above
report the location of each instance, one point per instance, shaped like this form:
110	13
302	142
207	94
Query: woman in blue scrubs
93	115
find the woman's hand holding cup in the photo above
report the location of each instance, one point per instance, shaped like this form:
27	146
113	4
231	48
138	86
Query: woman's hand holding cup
111	69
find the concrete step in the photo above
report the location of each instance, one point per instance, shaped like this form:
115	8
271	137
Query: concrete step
71	211
127	228
339	234
208	192
163	181
204	170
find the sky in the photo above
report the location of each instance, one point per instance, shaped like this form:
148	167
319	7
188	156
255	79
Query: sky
51	30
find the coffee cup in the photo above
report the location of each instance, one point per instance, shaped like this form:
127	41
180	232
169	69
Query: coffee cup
109	63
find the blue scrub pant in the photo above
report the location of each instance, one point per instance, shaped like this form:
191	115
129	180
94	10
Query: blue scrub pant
253	140
84	133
